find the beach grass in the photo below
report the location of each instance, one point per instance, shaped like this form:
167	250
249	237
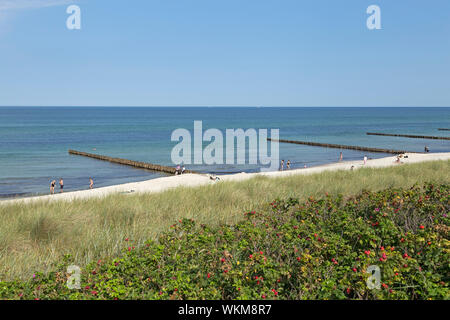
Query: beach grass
34	236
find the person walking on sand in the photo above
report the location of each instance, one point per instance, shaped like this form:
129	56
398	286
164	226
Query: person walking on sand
365	160
52	186
282	165
288	164
91	183
61	184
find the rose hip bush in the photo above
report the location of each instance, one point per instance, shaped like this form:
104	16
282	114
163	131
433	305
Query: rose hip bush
318	249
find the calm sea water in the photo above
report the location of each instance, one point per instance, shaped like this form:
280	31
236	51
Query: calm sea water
34	141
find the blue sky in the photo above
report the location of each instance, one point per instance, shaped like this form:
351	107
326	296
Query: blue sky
224	53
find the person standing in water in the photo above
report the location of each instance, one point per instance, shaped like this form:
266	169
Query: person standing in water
52	187
282	165
91	183
341	157
61	184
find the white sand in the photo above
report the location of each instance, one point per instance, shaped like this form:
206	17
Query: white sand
192	180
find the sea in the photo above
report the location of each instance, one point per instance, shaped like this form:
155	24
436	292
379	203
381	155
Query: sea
34	141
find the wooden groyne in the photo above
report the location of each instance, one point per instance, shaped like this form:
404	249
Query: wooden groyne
443	129
126	162
340	146
406	136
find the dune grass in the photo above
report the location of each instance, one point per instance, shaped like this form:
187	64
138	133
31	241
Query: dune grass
35	236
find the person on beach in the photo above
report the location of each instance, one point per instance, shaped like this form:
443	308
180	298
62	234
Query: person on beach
61	184
352	167
282	165
365	160
288	164
214	178
91	183
177	170
304	166
183	170
426	149
341	157
52	186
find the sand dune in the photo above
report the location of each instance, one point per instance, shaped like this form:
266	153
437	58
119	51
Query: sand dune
192	180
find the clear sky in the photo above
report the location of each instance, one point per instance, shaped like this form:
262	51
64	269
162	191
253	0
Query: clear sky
225	53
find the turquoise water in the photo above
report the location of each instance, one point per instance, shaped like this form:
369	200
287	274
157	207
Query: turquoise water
34	141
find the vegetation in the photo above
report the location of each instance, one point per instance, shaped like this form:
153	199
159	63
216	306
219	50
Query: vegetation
34	237
313	249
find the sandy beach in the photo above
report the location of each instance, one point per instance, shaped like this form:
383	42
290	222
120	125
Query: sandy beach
193	180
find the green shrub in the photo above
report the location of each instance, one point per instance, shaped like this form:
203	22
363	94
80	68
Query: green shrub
318	249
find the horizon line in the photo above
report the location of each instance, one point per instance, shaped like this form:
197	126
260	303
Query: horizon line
204	106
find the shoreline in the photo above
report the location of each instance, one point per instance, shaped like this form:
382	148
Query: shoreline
194	180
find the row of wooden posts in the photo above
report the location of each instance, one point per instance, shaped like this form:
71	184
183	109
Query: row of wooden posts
407	136
340	146
136	164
